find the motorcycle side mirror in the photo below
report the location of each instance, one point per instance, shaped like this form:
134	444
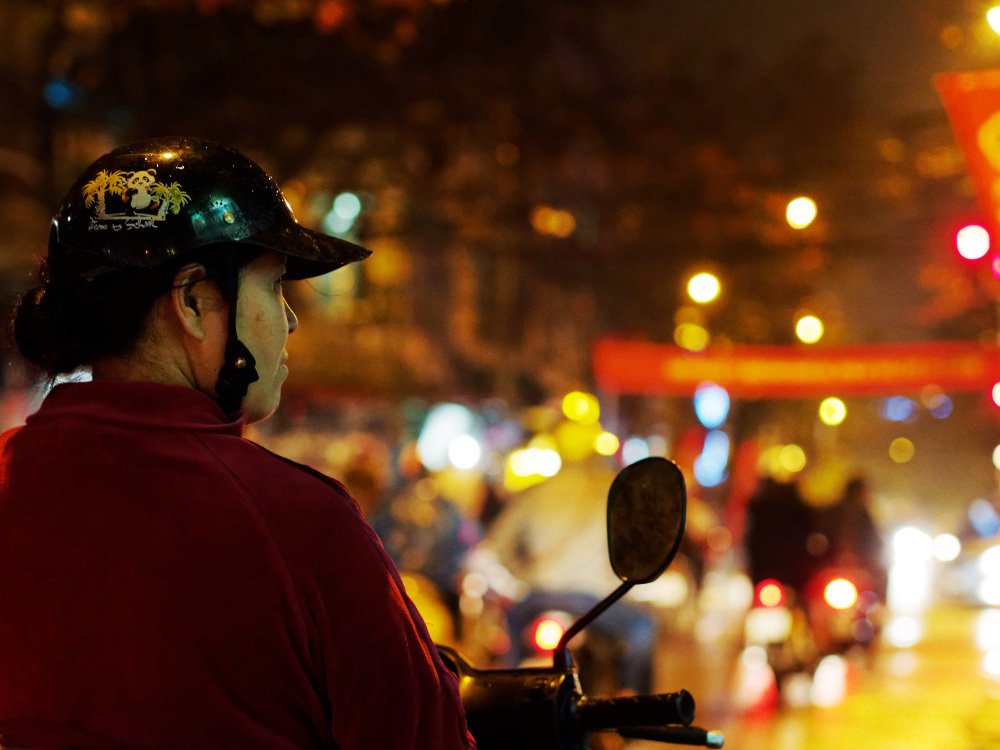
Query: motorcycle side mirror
647	505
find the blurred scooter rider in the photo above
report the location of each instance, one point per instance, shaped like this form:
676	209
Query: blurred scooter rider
853	535
553	537
165	582
778	525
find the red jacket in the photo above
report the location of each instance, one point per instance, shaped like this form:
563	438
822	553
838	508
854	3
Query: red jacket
165	583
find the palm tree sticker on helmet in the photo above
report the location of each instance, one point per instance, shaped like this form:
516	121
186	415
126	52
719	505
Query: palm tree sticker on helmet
133	200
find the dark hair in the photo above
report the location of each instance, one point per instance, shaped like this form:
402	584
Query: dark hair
67	320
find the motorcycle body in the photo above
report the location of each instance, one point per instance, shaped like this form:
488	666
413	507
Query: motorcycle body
545	707
844	609
837	612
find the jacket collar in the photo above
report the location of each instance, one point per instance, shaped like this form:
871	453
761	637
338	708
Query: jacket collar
140	404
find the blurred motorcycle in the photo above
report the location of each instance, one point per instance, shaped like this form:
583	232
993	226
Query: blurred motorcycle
844	611
545	707
837	612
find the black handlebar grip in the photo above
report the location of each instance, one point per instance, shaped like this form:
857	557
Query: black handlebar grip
636	711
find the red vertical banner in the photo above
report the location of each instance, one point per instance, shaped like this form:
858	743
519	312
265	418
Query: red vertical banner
972	101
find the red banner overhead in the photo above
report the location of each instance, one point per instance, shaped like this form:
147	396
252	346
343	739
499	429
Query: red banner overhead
793	372
972	101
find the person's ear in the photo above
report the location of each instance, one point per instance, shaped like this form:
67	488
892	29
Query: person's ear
192	295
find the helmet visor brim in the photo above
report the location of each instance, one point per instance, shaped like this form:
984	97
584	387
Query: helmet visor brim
309	253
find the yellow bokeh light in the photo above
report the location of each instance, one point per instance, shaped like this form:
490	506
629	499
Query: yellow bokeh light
996	456
575	439
809	329
703	287
993	18
832	411
607	444
581	407
792	458
901	450
692	337
800	213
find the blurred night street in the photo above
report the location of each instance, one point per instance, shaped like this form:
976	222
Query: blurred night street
935	695
754	238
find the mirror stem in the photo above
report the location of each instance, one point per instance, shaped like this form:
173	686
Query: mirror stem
561	658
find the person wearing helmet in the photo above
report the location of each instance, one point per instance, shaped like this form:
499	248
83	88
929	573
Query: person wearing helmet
166	583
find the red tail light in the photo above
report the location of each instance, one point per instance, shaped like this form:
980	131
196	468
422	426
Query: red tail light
547	633
840	593
769	593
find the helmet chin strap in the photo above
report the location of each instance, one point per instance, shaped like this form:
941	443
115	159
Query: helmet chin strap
239	368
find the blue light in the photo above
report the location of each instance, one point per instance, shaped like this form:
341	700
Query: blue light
899	409
711	404
984	519
940	406
710	466
60	93
347	206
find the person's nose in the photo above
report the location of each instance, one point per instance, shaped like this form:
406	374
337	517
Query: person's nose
293	322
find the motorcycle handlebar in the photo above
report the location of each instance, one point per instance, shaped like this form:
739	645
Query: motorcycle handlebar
636	711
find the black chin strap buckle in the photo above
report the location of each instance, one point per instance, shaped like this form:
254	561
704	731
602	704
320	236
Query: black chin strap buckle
236	375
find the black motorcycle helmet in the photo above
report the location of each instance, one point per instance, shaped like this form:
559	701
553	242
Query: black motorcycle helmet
151	202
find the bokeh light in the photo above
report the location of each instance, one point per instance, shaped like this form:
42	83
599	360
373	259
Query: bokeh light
444	423
792	458
947	547
972	242
901	450
553	221
832	411
528	462
464	452
548	633
634	449
800	213
904	631
710	465
840	593
910	544
691	336
939	406
993	18
809	329
899	409
581	407
770	593
703	287
711	404
607	444
344	211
